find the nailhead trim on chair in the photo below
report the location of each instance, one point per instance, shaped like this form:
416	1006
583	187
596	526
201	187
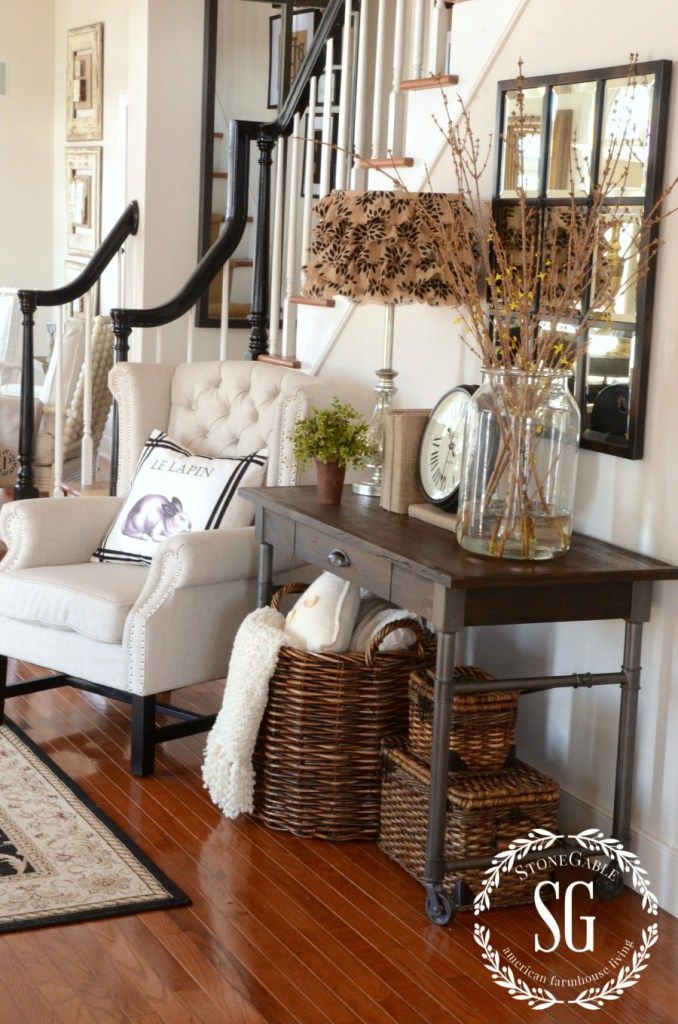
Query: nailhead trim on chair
137	647
287	468
14	532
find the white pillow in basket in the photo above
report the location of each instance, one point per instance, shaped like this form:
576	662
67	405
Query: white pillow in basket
173	492
323	619
373	615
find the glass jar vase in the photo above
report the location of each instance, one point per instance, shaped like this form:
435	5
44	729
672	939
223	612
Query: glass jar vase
521	442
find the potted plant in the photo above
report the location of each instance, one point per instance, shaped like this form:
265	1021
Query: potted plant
335	439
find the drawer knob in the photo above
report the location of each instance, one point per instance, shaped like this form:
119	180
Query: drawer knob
338	558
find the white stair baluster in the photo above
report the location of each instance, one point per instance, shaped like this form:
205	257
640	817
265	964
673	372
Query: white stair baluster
291	264
359	131
326	148
158	345
396	108
87	449
418	38
225	309
58	355
438	27
307	220
379	71
344	99
190	337
277	248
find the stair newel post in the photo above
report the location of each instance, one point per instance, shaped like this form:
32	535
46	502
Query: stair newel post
122	330
261	295
25	485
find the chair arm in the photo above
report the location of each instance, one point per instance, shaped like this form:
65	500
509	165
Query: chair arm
201	558
54	531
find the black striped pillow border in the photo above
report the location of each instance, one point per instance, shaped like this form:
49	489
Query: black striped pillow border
160	440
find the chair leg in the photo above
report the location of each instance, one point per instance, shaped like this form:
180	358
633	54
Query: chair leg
3	686
143	735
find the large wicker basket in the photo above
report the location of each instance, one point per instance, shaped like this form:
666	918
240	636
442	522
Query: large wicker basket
483	730
317	758
485	811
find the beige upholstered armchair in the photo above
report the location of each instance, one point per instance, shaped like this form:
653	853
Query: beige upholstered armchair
131	631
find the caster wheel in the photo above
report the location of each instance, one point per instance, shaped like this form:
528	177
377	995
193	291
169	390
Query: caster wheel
440	909
607	887
463	896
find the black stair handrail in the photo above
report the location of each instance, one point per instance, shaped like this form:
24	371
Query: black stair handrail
29	300
241	134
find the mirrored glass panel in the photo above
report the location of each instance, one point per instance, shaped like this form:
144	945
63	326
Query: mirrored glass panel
616	271
572	117
522	136
609	369
563	225
627	112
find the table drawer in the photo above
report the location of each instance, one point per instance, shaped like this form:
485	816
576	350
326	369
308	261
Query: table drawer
346	560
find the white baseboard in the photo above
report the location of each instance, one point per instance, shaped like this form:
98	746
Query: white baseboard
659	860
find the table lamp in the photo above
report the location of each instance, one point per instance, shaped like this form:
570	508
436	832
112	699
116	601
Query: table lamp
380	247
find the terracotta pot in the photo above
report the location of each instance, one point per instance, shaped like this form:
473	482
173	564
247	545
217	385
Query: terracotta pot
330	481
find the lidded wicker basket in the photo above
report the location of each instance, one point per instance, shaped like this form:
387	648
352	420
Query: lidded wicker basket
483	732
317	758
485	812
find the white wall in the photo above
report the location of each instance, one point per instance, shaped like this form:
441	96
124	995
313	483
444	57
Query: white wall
573	734
70	14
26	146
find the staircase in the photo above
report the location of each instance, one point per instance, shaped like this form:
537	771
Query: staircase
398	59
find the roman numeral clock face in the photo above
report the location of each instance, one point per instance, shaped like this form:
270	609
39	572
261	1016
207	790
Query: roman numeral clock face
441	448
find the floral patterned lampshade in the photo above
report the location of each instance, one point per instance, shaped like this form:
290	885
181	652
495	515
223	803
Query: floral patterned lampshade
381	247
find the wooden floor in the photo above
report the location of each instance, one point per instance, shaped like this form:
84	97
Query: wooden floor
281	929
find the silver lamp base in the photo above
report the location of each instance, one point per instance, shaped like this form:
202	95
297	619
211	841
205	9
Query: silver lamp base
368	489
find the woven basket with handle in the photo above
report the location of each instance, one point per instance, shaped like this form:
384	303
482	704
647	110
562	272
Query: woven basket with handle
483	731
485	812
317	758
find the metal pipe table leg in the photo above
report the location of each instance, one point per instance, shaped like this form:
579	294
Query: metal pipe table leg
626	748
608	885
439	906
265	578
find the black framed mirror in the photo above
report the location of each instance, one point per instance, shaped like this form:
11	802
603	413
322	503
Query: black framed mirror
566	128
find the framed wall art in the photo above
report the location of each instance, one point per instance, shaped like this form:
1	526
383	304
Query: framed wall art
84	78
304	24
83	200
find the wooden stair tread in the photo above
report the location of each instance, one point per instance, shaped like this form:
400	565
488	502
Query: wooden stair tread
293	364
303	300
218	135
386	161
241	263
430	82
218	218
219	174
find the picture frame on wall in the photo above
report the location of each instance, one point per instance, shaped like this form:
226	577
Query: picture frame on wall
73	268
318	150
304	25
83	200
84	83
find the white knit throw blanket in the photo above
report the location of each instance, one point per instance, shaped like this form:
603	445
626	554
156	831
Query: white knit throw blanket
227	769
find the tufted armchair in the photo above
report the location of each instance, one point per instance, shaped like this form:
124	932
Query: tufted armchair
131	631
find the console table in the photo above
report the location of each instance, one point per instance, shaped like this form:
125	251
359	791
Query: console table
422	568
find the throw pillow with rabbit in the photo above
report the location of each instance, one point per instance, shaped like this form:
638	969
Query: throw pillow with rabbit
175	492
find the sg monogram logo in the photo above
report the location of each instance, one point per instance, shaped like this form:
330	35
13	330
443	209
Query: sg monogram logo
546	916
560	919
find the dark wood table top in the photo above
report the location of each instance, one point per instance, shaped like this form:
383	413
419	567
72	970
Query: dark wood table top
435	553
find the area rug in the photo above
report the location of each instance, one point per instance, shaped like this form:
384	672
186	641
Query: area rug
61	858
